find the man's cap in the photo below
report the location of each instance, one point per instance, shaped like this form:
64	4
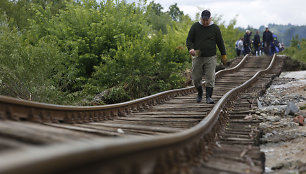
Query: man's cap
205	14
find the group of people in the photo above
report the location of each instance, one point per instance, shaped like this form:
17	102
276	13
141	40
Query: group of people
268	46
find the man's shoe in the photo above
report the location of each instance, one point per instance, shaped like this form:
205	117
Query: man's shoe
209	91
209	100
200	94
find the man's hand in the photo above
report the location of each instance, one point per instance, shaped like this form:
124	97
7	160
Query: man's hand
192	52
223	59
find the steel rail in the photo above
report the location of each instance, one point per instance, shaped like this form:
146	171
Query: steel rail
17	109
62	157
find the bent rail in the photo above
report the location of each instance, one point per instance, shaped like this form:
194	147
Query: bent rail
150	152
17	109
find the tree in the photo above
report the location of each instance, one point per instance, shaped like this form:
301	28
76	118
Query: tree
156	8
158	19
175	12
295	41
20	11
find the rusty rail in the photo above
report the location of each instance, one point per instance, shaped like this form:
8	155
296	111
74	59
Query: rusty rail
156	154
16	109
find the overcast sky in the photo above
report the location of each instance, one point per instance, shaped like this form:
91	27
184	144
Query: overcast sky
249	12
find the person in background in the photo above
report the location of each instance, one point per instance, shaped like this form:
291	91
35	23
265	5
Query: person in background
267	39
201	42
247	42
236	48
256	43
239	47
272	44
281	47
275	44
299	45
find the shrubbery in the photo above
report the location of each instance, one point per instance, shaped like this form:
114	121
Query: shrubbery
297	49
28	71
75	50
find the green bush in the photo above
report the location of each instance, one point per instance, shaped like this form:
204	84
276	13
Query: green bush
297	50
115	95
26	71
69	52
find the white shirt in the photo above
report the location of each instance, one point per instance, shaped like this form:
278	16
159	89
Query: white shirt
240	45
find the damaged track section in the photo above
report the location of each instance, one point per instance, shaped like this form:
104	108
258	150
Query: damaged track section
237	149
173	152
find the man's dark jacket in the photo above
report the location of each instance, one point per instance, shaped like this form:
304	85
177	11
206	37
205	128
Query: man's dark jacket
256	40
205	39
246	39
267	37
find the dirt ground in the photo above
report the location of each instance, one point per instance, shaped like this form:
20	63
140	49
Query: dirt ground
283	140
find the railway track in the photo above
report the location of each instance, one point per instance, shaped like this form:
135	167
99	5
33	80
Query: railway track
164	133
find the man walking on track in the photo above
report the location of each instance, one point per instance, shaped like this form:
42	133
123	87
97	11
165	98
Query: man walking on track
201	42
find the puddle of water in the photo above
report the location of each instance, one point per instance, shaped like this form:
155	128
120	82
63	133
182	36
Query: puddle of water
266	150
268	170
294	74
298	83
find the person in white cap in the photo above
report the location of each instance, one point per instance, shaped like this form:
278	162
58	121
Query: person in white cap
267	39
247	42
